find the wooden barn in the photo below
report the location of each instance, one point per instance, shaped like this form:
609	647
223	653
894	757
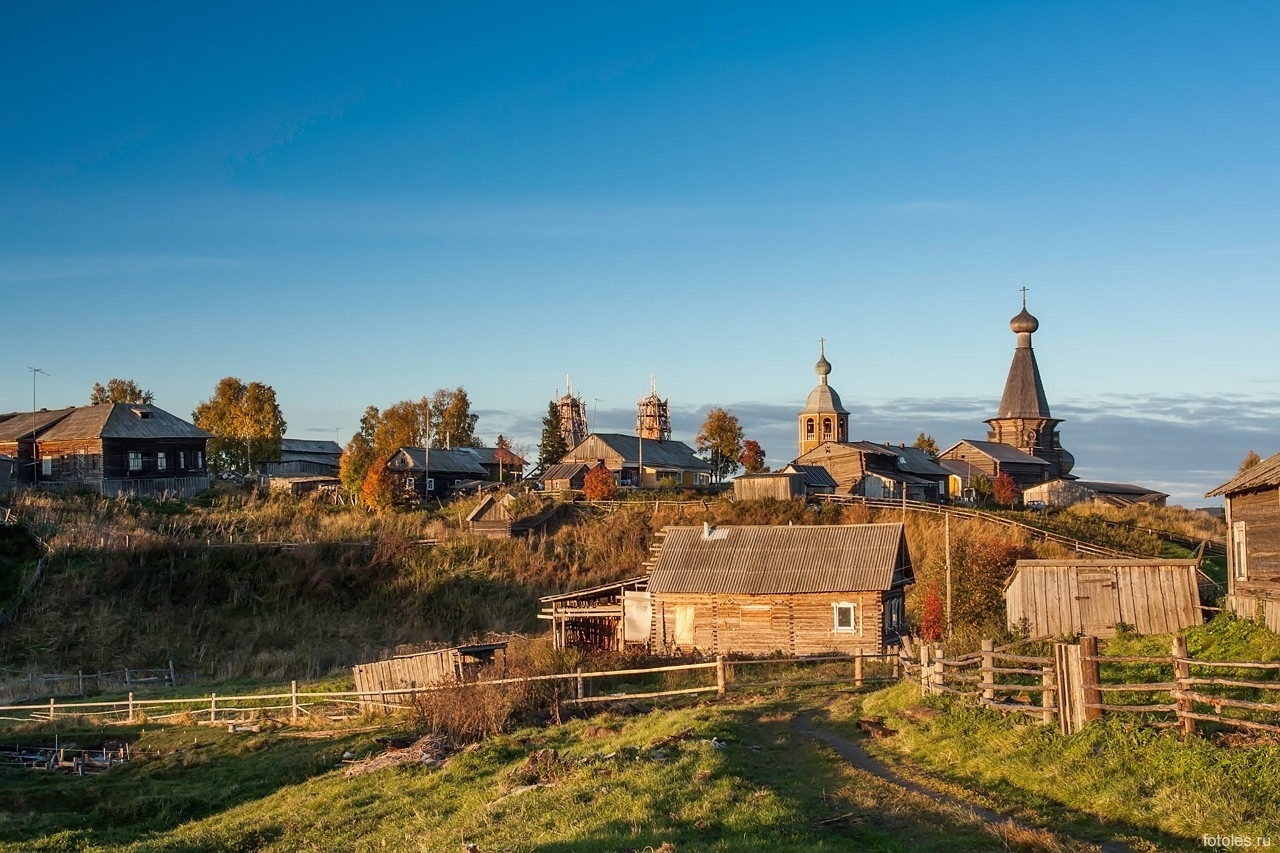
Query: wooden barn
1064	493
491	518
6	472
1063	597
300	456
564	476
643	462
111	448
803	589
426	669
609	617
878	470
444	469
968	457
1253	541
779	485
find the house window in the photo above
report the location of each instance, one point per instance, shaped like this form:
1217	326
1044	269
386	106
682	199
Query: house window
846	618
46	466
408	483
200	459
431	484
182	459
161	463
826	429
893	615
1239	551
808	428
135	460
703	479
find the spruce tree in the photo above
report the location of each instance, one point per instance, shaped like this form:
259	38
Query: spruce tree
551	449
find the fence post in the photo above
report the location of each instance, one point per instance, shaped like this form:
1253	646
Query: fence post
51	709
924	669
1181	689
720	679
578	690
897	665
987	673
173	674
857	669
1090	677
128	681
213	707
293	704
939	675
1048	698
131	706
80	674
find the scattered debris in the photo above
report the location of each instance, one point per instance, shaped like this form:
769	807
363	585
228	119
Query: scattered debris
875	727
668	740
429	750
851	817
69	759
597	731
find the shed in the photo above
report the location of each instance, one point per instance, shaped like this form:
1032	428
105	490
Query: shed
1064	597
6	472
759	589
607	617
564	476
300	485
300	456
491	518
780	485
425	669
1253	540
1064	493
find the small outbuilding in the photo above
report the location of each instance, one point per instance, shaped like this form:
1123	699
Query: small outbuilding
779	485
6	472
492	517
564	476
1065	493
608	617
374	681
1253	537
1056	598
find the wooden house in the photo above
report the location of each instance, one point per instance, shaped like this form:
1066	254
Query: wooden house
1253	541
6	472
642	462
374	681
1063	597
779	485
111	448
1064	493
565	476
609	617
299	457
879	470
991	459
434	472
802	589
500	468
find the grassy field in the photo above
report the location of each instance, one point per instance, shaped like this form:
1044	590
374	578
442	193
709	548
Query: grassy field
738	776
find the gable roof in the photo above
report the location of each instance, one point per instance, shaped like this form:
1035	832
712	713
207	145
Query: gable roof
769	559
1264	475
564	471
814	475
442	461
16	425
489	456
305	448
657	454
997	451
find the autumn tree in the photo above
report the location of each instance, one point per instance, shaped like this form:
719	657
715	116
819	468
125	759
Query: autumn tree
508	458
981	565
551	448
1250	459
382	432
245	422
927	444
933	621
981	485
452	423
752	457
1005	489
377	492
720	438
599	485
119	391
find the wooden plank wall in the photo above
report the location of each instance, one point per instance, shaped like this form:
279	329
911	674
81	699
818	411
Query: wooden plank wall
1155	599
799	624
774	486
401	673
1260	511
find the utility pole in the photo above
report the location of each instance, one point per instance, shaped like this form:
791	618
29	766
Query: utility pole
947	516
35	453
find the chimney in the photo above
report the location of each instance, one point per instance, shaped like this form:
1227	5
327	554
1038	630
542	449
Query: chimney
706	530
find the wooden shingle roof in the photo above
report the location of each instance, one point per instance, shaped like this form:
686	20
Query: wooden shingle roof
1264	475
767	559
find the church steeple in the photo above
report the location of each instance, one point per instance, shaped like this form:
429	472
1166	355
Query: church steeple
1023	420
824	418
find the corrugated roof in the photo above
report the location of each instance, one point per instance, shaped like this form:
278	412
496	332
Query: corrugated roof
564	470
762	560
1264	475
814	475
106	420
489	456
997	451
16	425
310	446
657	454
444	461
1118	488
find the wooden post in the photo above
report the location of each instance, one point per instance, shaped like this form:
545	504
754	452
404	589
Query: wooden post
293	704
1048	698
580	691
131	706
857	669
173	674
128	681
213	707
924	669
1090	678
51	709
81	676
720	679
987	672
939	675
897	666
1181	674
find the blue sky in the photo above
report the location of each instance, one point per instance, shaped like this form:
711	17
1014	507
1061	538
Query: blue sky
358	207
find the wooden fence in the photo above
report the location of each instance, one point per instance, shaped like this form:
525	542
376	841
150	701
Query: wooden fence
1078	684
580	689
18	686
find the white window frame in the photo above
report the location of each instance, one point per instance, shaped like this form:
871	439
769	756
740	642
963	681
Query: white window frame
162	463
182	460
200	459
135	461
1239	551
855	618
46	466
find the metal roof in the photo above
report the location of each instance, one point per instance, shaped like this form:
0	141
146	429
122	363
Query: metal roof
106	420
767	559
997	451
16	425
444	461
1118	488
1264	475
563	470
814	475
309	446
602	589
489	456
657	454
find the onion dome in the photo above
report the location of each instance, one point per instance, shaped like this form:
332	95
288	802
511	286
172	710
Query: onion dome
1024	323
823	367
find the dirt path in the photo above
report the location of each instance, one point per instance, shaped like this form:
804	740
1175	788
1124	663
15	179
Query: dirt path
853	753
